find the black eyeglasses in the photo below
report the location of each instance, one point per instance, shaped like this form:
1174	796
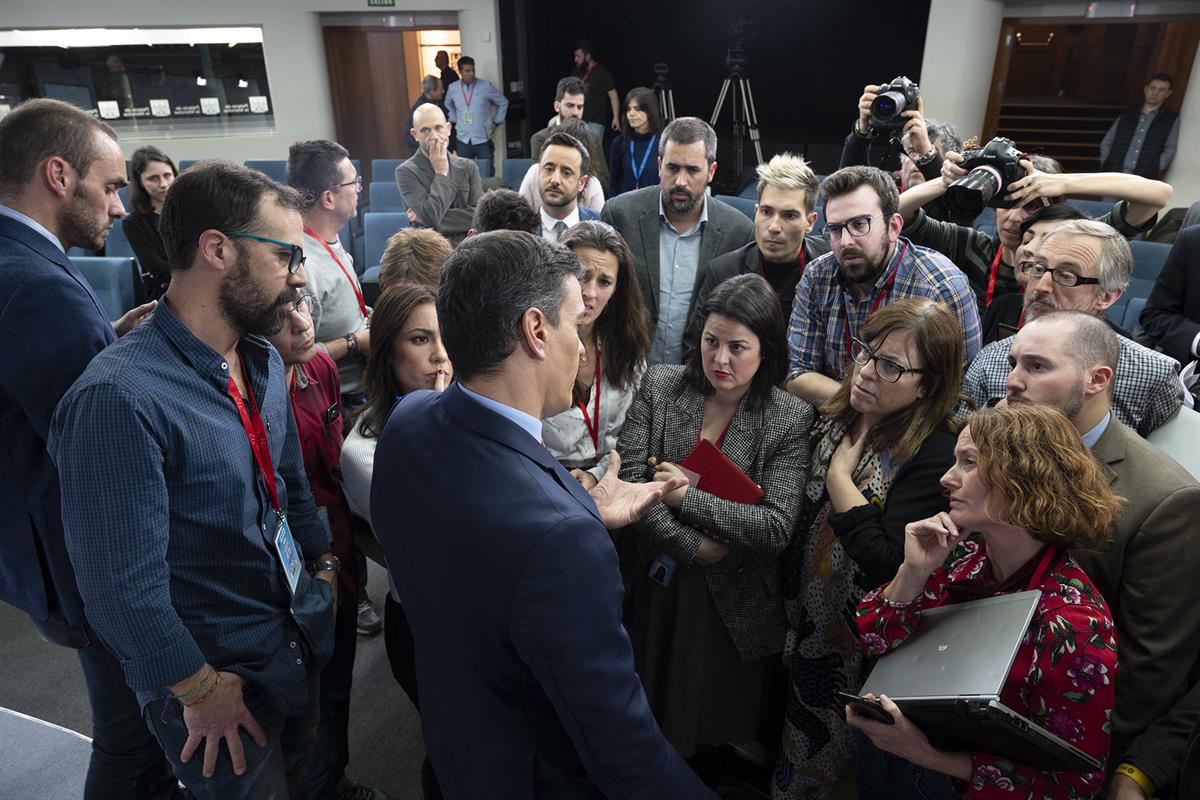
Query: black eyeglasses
885	368
1061	276
357	183
856	227
295	251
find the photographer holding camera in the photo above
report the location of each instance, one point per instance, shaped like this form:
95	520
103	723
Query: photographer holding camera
988	258
897	108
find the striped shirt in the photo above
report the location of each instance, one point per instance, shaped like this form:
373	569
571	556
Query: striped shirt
824	312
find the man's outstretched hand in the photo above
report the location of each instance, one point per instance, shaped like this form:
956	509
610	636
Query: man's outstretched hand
622	503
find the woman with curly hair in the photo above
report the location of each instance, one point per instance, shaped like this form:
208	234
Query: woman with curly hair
1024	482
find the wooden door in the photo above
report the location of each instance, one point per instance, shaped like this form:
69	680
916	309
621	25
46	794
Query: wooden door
368	81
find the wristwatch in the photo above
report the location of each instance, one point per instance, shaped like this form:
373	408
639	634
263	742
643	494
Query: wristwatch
326	564
352	344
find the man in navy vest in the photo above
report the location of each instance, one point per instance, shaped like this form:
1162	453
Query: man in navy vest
1143	140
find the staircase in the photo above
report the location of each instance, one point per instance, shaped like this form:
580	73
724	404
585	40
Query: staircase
1067	131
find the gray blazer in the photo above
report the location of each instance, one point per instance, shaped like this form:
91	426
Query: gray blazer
445	203
771	446
1147	573
635	215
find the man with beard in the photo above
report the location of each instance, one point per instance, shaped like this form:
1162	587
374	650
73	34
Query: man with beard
1084	265
562	174
440	190
201	558
60	170
675	231
1146	571
870	264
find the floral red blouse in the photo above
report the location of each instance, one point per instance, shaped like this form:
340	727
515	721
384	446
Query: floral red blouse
1062	677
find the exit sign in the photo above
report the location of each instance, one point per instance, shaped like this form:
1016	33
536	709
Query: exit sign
377	3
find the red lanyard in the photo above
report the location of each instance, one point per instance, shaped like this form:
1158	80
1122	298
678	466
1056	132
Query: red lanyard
256	433
1043	565
762	270
358	295
884	292
588	73
467	97
593	423
991	287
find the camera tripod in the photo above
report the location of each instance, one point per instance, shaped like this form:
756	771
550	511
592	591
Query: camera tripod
745	117
663	93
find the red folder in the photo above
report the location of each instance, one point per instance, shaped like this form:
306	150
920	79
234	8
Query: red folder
721	477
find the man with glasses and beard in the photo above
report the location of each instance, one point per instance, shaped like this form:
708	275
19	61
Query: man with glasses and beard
870	264
675	230
201	558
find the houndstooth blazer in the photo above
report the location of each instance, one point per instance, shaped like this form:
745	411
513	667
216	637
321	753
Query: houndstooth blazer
771	446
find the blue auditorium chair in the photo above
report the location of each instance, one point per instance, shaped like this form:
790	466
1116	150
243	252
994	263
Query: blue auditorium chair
514	171
377	229
117	244
742	204
275	168
113	281
385	196
384	169
1148	258
1093	208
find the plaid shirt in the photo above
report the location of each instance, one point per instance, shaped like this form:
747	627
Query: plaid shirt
817	330
1146	388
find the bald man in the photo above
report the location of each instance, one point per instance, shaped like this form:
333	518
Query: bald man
439	190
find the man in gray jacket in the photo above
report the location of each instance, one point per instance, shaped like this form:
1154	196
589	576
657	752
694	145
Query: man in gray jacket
439	190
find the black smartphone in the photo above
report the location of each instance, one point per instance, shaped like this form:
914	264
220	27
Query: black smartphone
872	709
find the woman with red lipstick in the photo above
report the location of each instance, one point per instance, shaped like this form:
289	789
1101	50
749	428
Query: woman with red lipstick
704	608
881	443
614	332
1029	489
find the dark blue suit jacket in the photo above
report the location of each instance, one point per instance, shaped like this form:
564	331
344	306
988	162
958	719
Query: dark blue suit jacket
51	326
585	214
511	586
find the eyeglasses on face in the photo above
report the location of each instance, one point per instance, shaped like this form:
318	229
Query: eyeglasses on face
885	368
295	251
1061	276
856	227
357	183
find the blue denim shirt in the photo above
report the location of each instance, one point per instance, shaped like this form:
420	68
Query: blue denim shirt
168	521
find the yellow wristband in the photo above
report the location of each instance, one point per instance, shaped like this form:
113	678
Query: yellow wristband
1137	776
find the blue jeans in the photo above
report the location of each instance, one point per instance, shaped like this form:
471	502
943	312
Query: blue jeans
483	151
126	762
278	771
331	753
884	777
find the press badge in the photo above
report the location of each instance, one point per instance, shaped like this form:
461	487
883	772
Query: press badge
662	570
289	556
466	117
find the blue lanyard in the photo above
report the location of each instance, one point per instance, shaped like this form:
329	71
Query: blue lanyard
638	169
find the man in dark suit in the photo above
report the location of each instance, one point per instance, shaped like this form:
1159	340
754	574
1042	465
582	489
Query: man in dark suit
783	217
60	170
563	172
508	576
676	230
1171	318
439	190
1147	570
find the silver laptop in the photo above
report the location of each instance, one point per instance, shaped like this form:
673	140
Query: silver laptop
948	675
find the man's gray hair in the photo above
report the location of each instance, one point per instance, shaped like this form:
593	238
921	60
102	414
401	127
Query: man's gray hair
942	135
1116	259
429	84
686	130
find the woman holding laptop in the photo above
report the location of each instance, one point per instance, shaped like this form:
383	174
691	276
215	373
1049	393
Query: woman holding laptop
1026	484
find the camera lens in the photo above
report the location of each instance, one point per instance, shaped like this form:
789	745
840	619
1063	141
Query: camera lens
888	105
971	193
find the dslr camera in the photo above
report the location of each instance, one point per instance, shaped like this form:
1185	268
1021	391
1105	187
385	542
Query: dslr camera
990	170
891	101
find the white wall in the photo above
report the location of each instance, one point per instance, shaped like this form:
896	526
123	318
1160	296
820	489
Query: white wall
292	44
960	53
